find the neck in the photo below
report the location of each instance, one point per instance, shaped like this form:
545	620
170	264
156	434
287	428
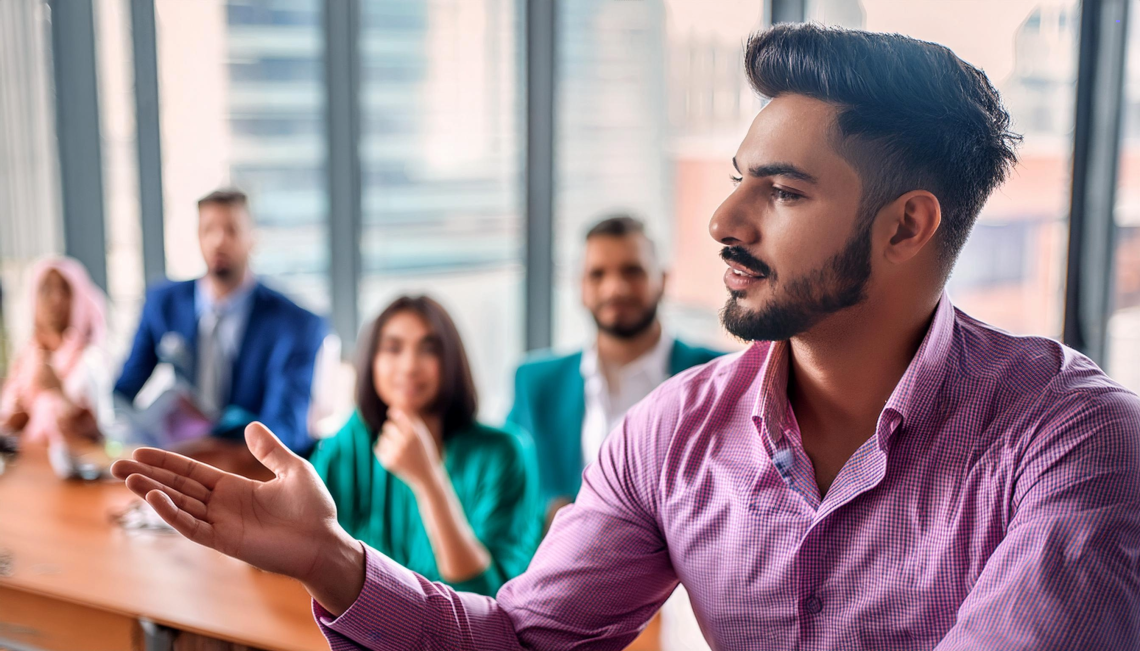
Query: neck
220	289
617	352
842	373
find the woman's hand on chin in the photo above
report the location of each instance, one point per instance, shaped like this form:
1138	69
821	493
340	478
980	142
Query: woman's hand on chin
407	449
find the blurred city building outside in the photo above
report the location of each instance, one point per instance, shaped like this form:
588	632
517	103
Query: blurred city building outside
651	103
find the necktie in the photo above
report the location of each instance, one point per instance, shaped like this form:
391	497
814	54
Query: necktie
211	363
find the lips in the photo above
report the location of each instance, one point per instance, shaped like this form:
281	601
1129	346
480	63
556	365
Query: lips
739	270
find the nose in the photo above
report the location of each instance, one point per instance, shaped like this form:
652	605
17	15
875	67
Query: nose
406	363
734	222
614	285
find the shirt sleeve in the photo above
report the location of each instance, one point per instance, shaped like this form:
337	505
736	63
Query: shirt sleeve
288	388
597	579
1072	546
143	358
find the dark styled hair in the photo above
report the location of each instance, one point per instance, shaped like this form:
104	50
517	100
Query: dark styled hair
225	197
911	116
620	225
617	225
457	401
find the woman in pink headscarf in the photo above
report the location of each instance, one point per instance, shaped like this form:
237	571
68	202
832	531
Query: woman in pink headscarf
58	390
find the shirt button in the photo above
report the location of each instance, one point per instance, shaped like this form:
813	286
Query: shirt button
812	605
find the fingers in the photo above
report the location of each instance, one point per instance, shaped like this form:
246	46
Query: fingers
400	418
142	485
202	473
184	523
126	468
268	449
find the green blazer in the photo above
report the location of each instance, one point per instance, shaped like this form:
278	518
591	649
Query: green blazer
494	475
550	403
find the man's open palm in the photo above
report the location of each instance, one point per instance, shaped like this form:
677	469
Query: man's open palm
278	525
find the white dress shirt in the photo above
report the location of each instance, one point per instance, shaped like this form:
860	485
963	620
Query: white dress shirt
606	405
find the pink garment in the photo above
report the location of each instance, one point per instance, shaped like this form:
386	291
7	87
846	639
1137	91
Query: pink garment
995	508
86	328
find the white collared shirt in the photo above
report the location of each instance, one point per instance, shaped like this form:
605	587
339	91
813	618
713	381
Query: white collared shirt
606	405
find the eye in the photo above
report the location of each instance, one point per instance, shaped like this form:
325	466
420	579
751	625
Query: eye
736	180
784	196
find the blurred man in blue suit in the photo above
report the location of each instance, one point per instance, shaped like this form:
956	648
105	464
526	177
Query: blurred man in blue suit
570	403
246	350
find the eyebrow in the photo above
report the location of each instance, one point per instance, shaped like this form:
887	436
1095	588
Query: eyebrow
777	169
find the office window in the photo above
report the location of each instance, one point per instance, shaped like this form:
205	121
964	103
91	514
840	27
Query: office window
115	71
651	104
242	97
442	127
1012	271
1123	361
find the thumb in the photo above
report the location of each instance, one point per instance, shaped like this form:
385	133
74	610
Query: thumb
268	449
404	420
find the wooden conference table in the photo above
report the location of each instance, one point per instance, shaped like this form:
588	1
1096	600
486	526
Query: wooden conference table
71	578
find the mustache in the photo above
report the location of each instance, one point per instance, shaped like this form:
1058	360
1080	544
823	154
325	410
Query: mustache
741	256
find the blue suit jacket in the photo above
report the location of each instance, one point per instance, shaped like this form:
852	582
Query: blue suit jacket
271	380
550	403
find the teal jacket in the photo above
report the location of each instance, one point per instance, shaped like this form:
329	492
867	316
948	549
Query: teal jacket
550	403
493	474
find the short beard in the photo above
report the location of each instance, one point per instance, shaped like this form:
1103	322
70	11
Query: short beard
224	274
638	327
839	283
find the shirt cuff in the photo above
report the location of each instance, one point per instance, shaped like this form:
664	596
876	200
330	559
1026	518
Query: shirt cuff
388	613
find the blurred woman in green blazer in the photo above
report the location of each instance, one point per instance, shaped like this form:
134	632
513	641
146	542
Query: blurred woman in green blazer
414	475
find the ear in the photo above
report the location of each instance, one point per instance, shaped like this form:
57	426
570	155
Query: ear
914	219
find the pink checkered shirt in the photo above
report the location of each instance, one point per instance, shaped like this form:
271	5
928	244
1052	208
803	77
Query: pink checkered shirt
997	506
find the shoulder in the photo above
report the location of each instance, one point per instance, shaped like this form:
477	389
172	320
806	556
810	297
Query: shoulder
507	442
1049	399
168	291
693	355
1023	369
345	438
283	308
547	363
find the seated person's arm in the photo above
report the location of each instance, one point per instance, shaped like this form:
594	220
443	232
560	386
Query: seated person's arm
288	392
482	544
406	449
521	416
142	360
598	577
13	414
1067	573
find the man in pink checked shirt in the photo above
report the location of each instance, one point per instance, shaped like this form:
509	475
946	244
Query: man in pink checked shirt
877	471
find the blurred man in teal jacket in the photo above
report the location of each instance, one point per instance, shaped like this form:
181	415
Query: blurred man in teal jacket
570	403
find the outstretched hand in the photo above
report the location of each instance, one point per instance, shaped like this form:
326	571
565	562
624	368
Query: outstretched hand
285	525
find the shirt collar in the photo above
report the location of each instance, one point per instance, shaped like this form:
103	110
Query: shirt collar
914	396
235	302
909	402
656	357
770	414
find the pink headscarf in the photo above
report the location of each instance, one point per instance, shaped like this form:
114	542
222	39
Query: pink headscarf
86	327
